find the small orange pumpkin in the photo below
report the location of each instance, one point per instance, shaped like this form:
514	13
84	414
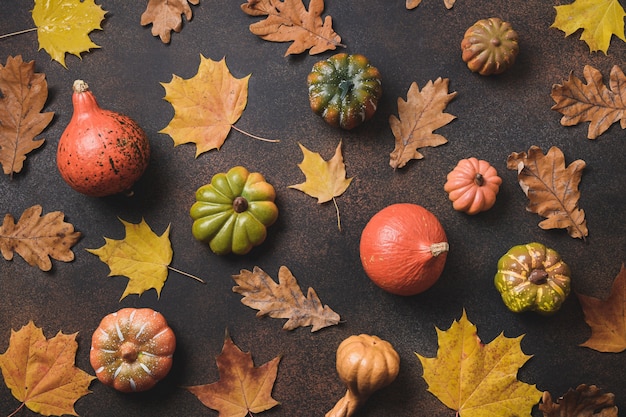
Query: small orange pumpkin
472	185
131	350
490	46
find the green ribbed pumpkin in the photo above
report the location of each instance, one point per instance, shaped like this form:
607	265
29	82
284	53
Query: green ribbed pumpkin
490	46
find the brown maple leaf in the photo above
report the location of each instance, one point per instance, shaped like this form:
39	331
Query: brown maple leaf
289	20
41	373
584	401
592	102
38	238
420	115
412	4
166	16
552	188
242	388
607	318
283	300
23	93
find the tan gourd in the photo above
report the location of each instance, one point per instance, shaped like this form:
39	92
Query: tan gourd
365	363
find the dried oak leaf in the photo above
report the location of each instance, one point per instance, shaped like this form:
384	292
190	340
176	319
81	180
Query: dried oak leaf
289	20
325	180
41	373
607	318
551	188
412	4
599	20
63	26
477	379
166	16
419	116
584	401
23	94
38	238
142	257
206	105
242	389
283	300
592	102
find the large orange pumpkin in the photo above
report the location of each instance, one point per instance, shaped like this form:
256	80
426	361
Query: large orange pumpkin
403	249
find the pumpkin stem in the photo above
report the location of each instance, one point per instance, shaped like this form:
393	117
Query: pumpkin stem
240	204
438	248
80	86
346	406
479	179
129	352
538	276
345	86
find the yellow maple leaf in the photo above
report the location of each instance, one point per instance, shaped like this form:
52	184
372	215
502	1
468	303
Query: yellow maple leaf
477	379
63	26
599	20
206	105
324	180
142	257
41	373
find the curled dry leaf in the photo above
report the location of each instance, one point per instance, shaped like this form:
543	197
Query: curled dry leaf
551	188
283	300
166	16
289	20
242	389
592	102
38	238
607	318
23	93
419	116
584	401
41	373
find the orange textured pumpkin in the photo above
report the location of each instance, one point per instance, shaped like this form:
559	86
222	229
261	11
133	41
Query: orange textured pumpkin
403	249
131	350
490	46
101	152
472	185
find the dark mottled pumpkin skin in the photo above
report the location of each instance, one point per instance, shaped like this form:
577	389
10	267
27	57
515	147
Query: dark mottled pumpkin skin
101	152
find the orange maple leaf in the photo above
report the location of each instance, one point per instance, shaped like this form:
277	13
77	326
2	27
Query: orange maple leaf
41	373
23	93
289	21
592	102
551	188
242	388
607	318
166	16
419	116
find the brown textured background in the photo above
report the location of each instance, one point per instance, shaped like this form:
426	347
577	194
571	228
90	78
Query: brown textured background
495	116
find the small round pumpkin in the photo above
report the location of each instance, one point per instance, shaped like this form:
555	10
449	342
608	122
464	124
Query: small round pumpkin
131	350
533	277
490	46
473	185
233	212
344	89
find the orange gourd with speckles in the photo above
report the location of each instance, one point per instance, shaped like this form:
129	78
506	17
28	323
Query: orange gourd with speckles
101	152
